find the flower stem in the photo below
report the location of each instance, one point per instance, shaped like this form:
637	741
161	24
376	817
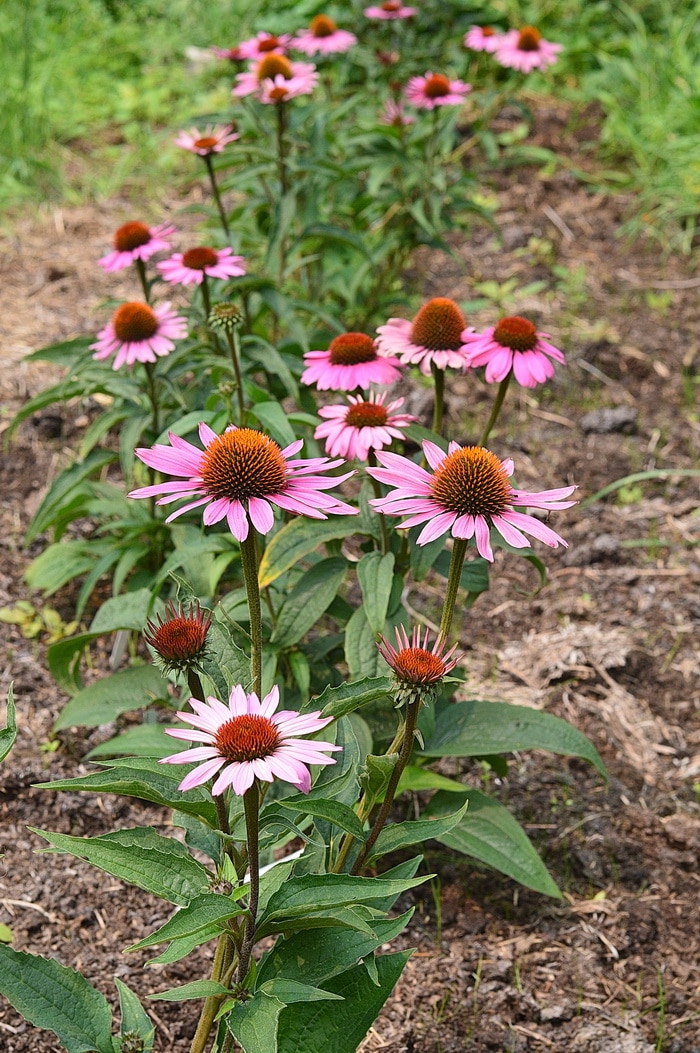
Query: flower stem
249	563
217	196
372	461
233	346
281	115
141	268
153	397
496	409
251	804
222	960
439	407
206	300
412	710
459	551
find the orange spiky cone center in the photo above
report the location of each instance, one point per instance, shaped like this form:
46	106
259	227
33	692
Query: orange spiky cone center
274	66
471	481
366	415
246	738
134	322
199	259
131	236
529	39
243	463
516	333
437	86
351	349
323	26
438	326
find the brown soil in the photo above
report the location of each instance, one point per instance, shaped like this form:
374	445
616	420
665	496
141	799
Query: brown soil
610	644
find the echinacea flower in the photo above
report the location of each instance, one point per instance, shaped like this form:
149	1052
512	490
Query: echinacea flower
434	337
275	78
394	113
352	430
417	670
351	362
249	741
239	476
232	54
483	38
323	37
513	344
139	333
210	141
525	50
390	9
435	89
189	268
264	44
135	241
467	493
180	638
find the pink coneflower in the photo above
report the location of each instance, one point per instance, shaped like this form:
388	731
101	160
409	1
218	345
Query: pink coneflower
249	741
189	268
434	337
482	38
351	431
139	333
264	44
525	50
468	493
275	79
210	141
180	638
390	9
515	344
135	241
232	54
417	670
350	362
239	476
435	89
394	113
323	37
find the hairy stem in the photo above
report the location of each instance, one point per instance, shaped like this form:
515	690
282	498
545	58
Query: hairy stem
222	961
251	804
372	461
141	268
459	551
217	196
496	409
249	563
234	351
439	406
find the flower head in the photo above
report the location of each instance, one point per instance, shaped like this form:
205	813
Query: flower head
264	44
139	333
323	37
180	638
526	49
482	38
351	361
232	54
435	336
239	476
210	141
249	740
390	9
189	268
225	316
468	492
275	78
135	241
351	431
417	670
435	89
513	344
394	113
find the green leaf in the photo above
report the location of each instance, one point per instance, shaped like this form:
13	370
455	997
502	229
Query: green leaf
375	773
145	778
308	600
129	611
321	1026
376	573
361	652
346	698
224	662
195	989
141	857
60	563
415	778
474	578
66	484
8	734
401	835
205	911
299	538
104	700
290	991
146	740
316	956
334	812
274	421
58	999
183	946
478	728
254	1023
490	834
135	1019
301	896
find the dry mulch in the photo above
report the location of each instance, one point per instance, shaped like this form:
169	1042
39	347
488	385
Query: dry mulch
610	644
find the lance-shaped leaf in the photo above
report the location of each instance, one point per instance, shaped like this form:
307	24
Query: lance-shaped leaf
299	538
401	835
254	1023
58	999
104	700
308	600
205	911
135	1020
376	574
141	857
346	698
8	734
477	729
